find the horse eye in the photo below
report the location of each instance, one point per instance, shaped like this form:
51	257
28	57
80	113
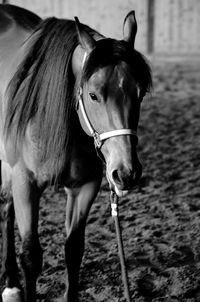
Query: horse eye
93	97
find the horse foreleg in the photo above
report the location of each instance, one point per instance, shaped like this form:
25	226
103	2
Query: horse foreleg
26	203
79	202
9	271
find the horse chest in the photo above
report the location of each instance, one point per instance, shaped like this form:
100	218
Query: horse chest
83	167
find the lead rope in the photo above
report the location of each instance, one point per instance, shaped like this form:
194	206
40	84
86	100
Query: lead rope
114	211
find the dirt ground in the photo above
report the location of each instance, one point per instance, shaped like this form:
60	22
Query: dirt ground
160	220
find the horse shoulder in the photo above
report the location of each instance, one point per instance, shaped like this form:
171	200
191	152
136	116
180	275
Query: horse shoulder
24	153
11	54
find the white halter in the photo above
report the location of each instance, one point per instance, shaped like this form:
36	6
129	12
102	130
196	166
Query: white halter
99	137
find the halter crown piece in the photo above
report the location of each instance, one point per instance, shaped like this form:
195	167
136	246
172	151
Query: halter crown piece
99	138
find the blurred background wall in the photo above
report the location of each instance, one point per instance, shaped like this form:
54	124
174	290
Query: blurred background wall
169	27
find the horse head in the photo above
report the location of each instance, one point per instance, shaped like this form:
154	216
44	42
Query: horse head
114	78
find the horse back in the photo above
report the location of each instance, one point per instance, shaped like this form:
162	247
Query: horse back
16	24
11	15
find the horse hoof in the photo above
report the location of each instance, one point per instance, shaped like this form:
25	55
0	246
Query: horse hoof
11	295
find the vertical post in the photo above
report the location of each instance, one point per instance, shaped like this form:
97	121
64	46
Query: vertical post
4	1
150	24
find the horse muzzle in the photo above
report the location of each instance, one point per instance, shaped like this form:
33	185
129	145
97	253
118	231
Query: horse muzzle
123	180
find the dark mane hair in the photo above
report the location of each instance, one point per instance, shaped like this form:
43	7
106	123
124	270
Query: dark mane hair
42	90
111	52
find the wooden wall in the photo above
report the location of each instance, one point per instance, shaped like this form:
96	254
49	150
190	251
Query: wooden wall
106	16
177	26
44	8
164	26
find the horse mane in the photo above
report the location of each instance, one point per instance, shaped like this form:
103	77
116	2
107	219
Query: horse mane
42	91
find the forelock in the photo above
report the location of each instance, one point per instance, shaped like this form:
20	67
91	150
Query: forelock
113	52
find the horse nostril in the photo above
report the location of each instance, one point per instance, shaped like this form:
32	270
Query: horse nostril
123	178
116	177
126	179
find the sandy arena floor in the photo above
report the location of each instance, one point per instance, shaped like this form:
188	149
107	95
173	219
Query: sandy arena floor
161	220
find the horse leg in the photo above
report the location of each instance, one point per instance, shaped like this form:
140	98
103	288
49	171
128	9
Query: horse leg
26	196
9	272
79	202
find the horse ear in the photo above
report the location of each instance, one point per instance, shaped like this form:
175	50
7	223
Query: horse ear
86	41
130	27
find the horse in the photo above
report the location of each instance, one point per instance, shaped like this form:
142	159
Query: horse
69	104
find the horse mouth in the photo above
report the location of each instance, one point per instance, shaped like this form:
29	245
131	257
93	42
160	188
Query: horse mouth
120	193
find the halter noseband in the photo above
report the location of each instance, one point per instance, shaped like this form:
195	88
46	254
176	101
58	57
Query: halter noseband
99	138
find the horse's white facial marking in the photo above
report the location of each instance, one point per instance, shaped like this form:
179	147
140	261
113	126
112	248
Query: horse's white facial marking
121	81
138	91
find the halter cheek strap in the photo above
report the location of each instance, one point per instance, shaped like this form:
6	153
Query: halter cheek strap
99	138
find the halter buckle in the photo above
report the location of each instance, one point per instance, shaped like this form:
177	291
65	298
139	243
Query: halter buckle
97	140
